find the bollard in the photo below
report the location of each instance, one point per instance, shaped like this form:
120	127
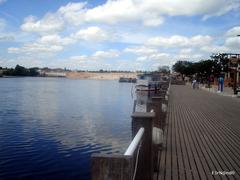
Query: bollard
145	161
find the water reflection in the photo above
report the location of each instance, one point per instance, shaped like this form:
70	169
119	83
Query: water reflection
54	125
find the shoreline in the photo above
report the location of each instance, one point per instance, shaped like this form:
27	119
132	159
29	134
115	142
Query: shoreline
87	75
100	75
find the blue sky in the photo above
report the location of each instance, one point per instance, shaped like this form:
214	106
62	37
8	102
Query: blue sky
115	35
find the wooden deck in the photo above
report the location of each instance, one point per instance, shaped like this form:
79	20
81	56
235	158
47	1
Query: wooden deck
202	136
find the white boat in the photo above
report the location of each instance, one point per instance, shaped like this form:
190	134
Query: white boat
148	82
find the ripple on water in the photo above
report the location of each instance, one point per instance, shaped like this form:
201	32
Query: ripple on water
50	127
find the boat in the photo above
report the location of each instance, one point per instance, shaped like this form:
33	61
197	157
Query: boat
148	82
128	80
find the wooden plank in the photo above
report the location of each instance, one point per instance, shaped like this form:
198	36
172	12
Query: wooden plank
106	167
163	154
202	135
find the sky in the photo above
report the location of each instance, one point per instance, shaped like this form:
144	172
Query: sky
115	34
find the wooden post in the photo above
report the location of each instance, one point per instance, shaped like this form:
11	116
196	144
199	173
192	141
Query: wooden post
162	114
145	160
112	167
156	107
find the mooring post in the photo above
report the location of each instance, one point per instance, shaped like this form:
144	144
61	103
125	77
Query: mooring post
145	157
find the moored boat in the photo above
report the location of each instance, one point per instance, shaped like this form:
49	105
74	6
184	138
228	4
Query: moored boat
148	82
126	79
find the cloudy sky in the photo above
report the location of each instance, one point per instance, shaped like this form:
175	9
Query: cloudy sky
115	34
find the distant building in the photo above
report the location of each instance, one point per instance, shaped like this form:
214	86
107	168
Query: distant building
52	72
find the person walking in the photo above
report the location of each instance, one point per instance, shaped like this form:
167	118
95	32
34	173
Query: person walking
220	84
194	82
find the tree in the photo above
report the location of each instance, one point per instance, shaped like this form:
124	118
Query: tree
185	68
221	61
20	71
33	71
164	69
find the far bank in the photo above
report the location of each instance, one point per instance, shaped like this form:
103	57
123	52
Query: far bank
100	75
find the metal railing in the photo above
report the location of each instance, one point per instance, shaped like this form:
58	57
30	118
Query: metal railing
135	143
137	161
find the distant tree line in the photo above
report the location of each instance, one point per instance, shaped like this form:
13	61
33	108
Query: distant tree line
20	71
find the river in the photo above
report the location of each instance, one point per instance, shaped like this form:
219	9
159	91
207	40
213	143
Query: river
49	127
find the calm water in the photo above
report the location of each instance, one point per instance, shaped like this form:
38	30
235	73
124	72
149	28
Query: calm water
49	127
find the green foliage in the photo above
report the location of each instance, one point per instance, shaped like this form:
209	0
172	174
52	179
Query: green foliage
201	69
21	71
164	69
185	68
33	72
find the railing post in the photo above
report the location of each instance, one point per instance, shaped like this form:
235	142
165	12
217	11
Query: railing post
163	105
145	161
112	167
156	107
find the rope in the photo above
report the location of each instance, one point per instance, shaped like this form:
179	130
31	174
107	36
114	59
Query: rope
136	161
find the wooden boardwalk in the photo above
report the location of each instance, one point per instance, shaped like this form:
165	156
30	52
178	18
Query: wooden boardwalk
202	136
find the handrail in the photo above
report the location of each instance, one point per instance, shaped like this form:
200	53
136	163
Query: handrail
135	142
134	105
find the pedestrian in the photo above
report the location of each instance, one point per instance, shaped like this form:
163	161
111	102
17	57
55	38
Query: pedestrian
220	83
194	83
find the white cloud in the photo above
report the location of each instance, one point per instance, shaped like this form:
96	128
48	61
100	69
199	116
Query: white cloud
233	31
92	33
152	12
50	23
142	59
35	49
73	13
95	57
95	61
55	39
141	50
179	41
233	43
46	44
149	13
106	54
159	56
215	49
81	58
185	51
154	57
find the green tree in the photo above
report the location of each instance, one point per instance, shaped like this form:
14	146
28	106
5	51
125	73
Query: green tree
185	68
33	71
164	69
